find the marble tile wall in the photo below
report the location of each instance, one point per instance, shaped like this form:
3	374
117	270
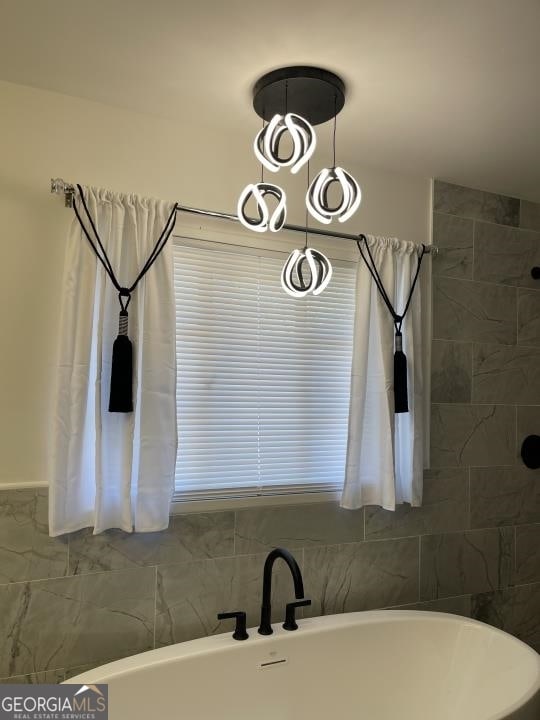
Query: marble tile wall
486	400
68	604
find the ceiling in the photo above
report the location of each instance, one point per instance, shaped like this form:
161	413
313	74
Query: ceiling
439	88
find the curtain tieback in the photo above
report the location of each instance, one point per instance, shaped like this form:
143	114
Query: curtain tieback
121	393
401	402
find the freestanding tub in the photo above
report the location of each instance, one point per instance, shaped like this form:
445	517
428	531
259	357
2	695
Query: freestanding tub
381	665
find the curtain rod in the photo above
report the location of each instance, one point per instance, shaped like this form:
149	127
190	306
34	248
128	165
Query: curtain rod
59	187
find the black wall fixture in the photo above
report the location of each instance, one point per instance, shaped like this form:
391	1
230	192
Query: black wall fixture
535	273
530	451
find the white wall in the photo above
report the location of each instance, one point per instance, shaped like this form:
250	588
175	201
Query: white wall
44	135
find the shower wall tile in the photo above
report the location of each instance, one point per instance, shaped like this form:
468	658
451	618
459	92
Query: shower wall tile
188	537
453	236
294	526
444	508
504	496
506	374
481	435
451	371
75	620
529	317
26	550
527	554
505	255
515	609
528	423
478	204
361	576
462	563
529	215
481	312
190	595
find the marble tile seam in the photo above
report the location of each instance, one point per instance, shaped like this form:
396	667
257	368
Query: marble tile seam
481	220
479	403
117	571
484	282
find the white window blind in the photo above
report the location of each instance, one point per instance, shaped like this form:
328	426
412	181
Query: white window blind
263	379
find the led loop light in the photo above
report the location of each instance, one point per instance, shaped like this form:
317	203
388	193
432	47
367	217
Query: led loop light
266	144
317	196
292	277
266	221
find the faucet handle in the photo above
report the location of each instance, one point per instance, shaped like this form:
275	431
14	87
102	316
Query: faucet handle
290	613
240	629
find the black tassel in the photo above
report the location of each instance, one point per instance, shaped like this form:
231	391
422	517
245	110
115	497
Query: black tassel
401	404
121	397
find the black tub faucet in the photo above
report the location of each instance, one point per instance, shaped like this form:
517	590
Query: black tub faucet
265	628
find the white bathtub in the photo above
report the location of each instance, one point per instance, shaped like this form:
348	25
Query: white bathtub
381	665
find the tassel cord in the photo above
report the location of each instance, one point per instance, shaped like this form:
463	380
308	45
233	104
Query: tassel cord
121	397
397	319
102	256
401	404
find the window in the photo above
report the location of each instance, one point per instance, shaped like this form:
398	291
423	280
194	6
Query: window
263	379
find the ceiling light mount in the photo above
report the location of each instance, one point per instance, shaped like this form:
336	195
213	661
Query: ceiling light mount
313	93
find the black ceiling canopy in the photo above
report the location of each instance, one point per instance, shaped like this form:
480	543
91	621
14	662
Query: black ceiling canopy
313	93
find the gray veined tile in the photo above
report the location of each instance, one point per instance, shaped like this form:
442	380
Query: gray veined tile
472	203
527	554
49	677
294	526
26	550
474	311
190	595
453	236
201	535
505	255
444	508
75	620
528	423
529	216
504	496
482	435
361	576
463	563
451	370
515	610
529	317
506	374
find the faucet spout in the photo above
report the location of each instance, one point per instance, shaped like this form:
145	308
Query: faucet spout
265	628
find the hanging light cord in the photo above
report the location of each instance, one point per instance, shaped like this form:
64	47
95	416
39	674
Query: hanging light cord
307	214
397	319
262	166
334	139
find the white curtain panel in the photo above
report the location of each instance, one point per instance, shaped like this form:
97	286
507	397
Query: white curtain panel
115	470
385	451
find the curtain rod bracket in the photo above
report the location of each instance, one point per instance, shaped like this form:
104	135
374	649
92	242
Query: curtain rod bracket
60	187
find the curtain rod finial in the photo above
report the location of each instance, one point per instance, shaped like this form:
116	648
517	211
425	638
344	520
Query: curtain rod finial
60	187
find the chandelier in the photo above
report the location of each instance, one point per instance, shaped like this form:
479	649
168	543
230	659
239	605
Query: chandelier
291	101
